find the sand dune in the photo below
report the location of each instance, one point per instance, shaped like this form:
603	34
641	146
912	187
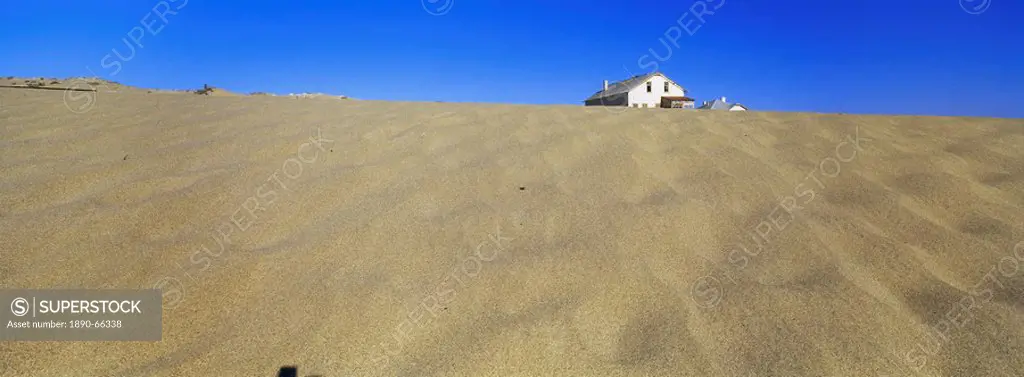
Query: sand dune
440	239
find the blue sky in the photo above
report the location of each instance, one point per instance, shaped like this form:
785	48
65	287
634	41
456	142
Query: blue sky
897	57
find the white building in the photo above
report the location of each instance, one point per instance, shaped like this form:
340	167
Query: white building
650	90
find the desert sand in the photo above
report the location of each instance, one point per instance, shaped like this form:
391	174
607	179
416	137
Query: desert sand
457	239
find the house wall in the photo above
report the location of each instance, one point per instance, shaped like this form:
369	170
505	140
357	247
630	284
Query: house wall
640	96
615	100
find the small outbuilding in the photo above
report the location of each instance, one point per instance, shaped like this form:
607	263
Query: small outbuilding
722	104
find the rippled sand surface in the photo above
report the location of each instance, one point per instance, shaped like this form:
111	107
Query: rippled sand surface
436	239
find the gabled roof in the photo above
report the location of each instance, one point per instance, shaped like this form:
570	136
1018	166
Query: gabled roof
628	84
717	104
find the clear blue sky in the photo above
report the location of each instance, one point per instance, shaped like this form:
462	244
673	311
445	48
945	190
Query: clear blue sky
901	57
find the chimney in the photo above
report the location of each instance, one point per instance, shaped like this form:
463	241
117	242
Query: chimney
723	99
605	84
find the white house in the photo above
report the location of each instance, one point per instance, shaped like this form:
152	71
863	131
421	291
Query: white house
646	91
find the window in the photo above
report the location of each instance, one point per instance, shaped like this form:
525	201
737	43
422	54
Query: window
636	105
666	86
648	87
645	105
